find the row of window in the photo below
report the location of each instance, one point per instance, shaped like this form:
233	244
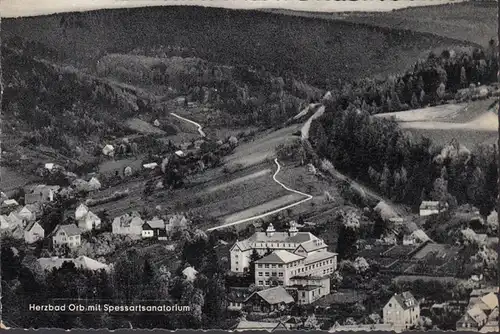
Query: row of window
267	274
312	267
267	283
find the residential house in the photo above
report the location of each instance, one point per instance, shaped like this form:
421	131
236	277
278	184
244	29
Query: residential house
291	241
416	237
269	300
33	232
27	213
310	288
492	323
154	228
94	184
245	325
472	320
4	222
151	165
190	273
108	150
10	203
236	297
128	224
67	235
486	303
86	219
402	311
41	194
428	208
15	220
49	263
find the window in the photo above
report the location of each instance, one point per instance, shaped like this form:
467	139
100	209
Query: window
260	273
266	265
303	294
236	256
267	274
259	265
273	274
273	266
280	274
266	283
280	266
390	304
313	293
261	283
236	262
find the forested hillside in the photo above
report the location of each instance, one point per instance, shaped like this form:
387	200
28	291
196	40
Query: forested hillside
317	51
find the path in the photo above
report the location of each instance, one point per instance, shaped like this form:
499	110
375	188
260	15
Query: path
190	121
308	198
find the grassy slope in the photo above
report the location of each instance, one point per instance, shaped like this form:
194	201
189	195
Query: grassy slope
319	48
474	21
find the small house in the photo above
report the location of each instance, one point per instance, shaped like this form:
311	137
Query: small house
67	235
472	320
402	311
416	237
81	212
15	220
154	228
89	222
428	208
33	232
151	165
269	300
4	222
180	153
128	225
108	150
10	203
245	325
236	297
27	214
94	184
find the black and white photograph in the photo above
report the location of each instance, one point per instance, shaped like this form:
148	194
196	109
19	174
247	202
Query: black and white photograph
240	165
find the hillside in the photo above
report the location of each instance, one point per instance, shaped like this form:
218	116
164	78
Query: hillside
321	50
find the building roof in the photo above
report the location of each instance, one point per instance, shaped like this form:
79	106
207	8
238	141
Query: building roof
31	225
405	300
483	291
156	223
319	256
128	220
10	202
312	245
47	263
190	273
490	300
245	325
420	235
274	295
69	229
429	205
477	314
81	211
299	238
280	256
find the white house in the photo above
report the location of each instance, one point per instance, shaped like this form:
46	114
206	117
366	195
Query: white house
128	225
180	153
27	214
81	212
10	203
89	222
48	263
108	150
4	222
151	165
190	273
402	311
428	208
33	232
94	184
67	235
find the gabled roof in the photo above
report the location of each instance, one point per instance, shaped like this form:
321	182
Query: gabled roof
190	273
312	245
10	202
420	235
280	256
405	300
47	263
274	295
477	314
92	216
245	325
490	300
69	229
429	205
156	223
31	225
300	237
319	256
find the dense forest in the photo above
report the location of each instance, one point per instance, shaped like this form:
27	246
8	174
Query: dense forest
404	168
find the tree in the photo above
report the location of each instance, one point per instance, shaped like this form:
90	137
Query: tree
348	236
253	257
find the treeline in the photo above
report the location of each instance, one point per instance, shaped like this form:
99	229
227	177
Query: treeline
134	279
405	169
429	82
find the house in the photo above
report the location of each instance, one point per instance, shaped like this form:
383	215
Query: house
176	222
67	235
154	228
190	273
49	166
41	194
472	320
27	213
33	232
15	220
269	300
310	288
416	237
156	123
128	224
108	150
486	303
402	311
236	297
49	263
180	153
245	325
428	208
94	184
291	241
492	323
81	211
89	222
4	222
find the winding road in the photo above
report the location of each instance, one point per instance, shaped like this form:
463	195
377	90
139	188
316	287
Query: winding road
308	198
200	129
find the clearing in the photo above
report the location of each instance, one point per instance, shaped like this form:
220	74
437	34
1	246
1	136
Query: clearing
138	125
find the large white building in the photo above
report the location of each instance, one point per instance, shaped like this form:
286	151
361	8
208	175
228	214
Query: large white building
293	245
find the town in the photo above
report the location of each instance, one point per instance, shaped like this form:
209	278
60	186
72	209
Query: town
257	195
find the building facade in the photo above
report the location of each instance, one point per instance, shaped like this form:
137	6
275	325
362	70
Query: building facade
66	235
33	232
402	311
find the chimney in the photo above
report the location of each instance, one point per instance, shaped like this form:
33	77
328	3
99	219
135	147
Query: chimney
270	230
293	229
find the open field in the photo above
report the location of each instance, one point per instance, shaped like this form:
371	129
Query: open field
141	126
458	20
261	149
